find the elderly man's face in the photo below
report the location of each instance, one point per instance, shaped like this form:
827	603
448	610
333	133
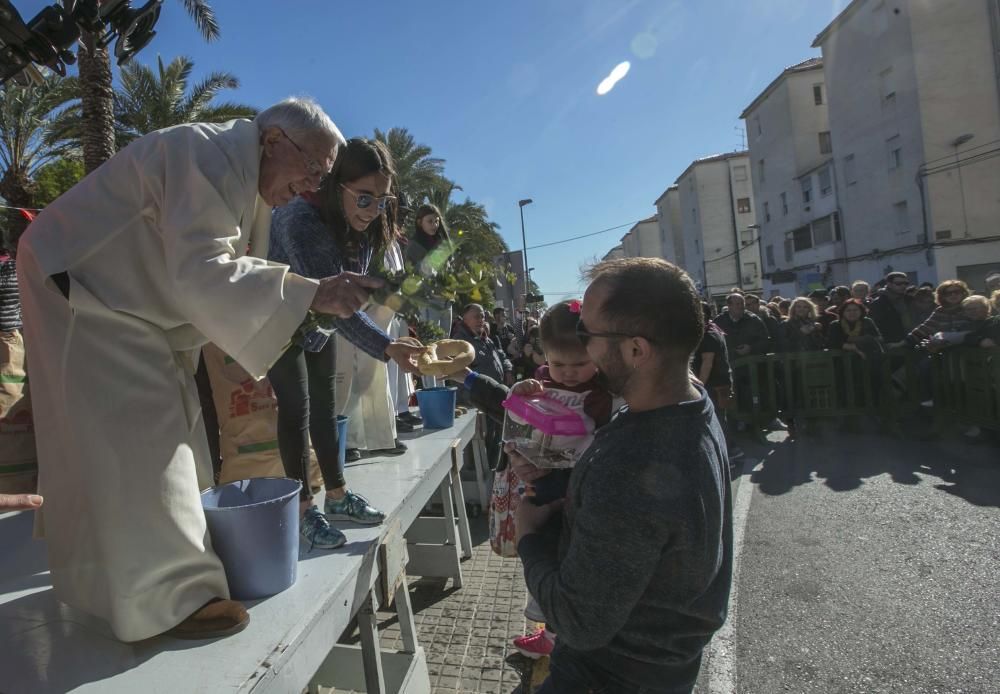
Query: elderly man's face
288	168
737	307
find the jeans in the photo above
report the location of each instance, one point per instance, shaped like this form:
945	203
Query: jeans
573	672
304	386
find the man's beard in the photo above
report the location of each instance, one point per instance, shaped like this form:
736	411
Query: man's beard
612	373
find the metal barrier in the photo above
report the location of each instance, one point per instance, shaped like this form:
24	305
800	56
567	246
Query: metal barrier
965	383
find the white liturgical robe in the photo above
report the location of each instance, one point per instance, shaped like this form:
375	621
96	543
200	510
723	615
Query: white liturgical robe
154	245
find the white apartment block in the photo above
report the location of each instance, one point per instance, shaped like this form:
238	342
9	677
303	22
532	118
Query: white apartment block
668	213
615	253
914	111
794	186
643	240
715	195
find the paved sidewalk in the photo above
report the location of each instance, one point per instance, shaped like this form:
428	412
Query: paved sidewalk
466	633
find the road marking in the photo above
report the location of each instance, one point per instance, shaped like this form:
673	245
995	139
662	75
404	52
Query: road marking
722	649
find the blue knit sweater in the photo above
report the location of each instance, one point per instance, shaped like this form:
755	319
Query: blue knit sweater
301	240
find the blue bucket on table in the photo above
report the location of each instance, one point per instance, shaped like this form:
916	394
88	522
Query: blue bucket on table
254	525
342	439
437	406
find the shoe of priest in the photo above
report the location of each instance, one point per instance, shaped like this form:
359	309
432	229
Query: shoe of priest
214	619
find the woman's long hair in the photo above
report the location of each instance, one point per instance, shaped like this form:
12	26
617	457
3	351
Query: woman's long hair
803	301
360	157
442	234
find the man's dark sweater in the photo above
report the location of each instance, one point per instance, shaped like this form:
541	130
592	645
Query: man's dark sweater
641	577
748	330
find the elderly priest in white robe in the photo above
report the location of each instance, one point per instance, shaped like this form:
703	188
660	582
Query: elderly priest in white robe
122	280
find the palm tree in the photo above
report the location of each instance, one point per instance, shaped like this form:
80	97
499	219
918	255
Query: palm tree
151	100
97	95
31	118
417	172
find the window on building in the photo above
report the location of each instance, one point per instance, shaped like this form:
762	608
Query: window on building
887	88
749	272
784	203
694	215
895	152
802	238
850	170
756	125
807	190
760	170
743	205
818	94
746	237
740	173
789	250
823	231
769	255
825	143
767	212
825	181
836	226
902	217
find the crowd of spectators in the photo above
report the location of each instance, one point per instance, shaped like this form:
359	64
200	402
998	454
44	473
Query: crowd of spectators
893	315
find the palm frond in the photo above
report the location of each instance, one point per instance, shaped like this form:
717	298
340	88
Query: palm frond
204	18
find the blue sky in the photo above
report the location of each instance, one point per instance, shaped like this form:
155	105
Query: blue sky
505	91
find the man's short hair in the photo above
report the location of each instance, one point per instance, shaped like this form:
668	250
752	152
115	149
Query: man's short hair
498	310
892	276
470	307
818	294
736	296
654	299
841	290
300	118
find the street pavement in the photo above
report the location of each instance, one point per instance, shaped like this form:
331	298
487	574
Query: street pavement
868	564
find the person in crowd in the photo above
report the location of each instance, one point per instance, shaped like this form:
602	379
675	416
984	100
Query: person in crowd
504	332
922	305
860	291
343	226
821	299
639	578
754	306
855	331
429	250
992	283
802	332
783	307
401	383
489	361
911	291
988	334
891	310
745	333
947	319
532	355
151	248
710	364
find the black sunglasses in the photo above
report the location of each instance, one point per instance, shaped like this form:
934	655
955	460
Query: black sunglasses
584	335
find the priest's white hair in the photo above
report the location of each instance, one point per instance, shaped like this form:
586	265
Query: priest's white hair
300	118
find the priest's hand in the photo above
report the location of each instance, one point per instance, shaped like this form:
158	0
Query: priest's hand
19	502
343	294
405	354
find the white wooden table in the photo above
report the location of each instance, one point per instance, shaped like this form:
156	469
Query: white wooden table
291	642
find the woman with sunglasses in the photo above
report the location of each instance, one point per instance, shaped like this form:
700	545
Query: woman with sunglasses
429	250
341	227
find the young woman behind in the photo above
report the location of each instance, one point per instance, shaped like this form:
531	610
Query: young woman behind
342	227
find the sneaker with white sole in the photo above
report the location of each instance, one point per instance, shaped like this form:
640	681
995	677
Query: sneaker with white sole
536	645
318	532
353	507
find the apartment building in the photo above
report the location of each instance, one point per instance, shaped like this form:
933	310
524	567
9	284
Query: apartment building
914	120
643	240
794	182
668	213
720	240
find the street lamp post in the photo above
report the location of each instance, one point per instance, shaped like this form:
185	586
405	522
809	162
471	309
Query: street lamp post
524	248
956	143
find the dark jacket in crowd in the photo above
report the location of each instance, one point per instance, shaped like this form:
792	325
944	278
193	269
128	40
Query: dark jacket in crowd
490	360
639	580
714	342
749	330
894	317
990	329
869	339
794	340
773	330
943	320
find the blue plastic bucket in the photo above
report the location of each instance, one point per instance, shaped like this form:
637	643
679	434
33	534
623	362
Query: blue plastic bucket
342	439
254	525
437	406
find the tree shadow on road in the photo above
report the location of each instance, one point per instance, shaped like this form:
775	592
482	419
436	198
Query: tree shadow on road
844	460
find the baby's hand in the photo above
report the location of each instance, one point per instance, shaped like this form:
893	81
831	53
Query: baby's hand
527	387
